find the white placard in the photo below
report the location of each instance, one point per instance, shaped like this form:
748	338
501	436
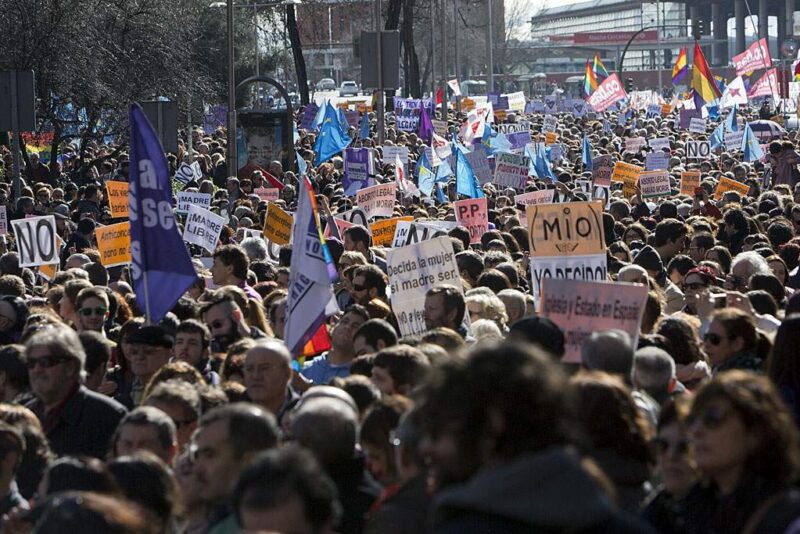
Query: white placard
202	228
36	240
185	200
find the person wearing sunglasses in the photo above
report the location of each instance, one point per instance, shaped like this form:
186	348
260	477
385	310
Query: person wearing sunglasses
747	450
732	341
695	282
92	306
666	507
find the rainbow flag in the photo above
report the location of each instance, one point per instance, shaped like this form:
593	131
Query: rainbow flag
589	80
600	72
702	78
680	68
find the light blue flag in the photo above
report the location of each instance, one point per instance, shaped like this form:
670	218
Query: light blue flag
751	149
713	112
530	154
730	123
494	141
331	138
302	166
443	172
717	137
440	196
424	174
363	130
343	120
466	181
543	168
320	116
586	153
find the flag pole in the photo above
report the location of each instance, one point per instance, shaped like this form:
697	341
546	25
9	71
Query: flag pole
758	38
147	315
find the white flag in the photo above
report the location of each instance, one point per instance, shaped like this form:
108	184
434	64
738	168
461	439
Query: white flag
735	94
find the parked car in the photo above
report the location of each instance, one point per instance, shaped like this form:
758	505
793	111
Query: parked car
348	88
326	84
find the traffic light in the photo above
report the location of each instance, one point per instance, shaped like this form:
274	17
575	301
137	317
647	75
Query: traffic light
628	85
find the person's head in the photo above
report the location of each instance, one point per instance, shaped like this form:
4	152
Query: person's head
745	265
192	340
682	337
677	268
514	302
327	426
696	281
55	360
731	332
77	474
227	439
68	308
356	238
223	316
343	333
654	372
98	353
670	448
13	372
181	402
267	373
372	336
539	331
77	511
701	243
376	436
740	429
230	265
721	256
12	448
285	490
444	306
146	429
150	350
369	282
470	265
610	351
503	401
670	238
635	233
399	369
146	480
92	307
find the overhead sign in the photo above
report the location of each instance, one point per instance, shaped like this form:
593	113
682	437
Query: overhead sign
659	143
543	196
114	244
378	200
278	225
733	139
354	216
392	152
656	160
581	308
634	144
117	193
697	125
473	214
202	228
186	200
268	194
654	184
36	240
690	180
756	57
409	233
602	167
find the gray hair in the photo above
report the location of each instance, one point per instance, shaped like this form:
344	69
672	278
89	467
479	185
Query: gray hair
147	415
515	296
255	248
610	351
62	340
756	264
653	369
82	258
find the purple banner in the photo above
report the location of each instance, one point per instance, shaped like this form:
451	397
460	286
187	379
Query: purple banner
357	169
308	116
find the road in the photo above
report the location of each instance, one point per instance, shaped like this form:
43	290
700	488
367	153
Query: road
334	98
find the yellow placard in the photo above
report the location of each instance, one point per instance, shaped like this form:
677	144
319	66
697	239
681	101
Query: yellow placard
550	138
114	243
569	229
383	230
49	271
467	104
690	180
117	198
628	174
277	225
726	184
666	109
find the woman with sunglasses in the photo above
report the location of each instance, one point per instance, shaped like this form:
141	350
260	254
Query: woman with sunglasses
747	450
665	509
695	282
732	341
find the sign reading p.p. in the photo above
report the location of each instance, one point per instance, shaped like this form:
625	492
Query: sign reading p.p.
473	214
36	240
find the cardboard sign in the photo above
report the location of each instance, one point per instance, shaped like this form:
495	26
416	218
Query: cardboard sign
341	225
186	173
378	200
114	244
568	229
697	125
117	193
510	170
543	196
625	172
634	144
550	138
269	194
383	231
656	160
186	200
654	184
726	184
608	93
36	240
3	221
733	140
278	225
391	152
440	127
659	143
413	270
602	167
474	215
690	180
550	123
698	149
479	161
202	227
580	308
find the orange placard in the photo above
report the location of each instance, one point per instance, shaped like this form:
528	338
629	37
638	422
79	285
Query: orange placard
383	230
114	244
117	198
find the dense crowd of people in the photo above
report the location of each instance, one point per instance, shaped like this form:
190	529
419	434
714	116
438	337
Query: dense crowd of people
205	421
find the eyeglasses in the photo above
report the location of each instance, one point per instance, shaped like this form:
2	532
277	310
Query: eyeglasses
663	446
714	339
712	418
86	312
46	362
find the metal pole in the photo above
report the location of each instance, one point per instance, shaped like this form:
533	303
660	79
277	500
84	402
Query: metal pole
490	51
455	38
379	55
233	165
758	37
189	141
255	34
444	61
433	55
658	48
15	168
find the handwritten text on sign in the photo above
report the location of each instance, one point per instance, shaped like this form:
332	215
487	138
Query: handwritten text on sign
378	200
36	240
573	228
117	198
114	244
277	225
474	215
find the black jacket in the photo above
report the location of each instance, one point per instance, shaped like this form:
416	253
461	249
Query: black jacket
357	491
404	512
84	426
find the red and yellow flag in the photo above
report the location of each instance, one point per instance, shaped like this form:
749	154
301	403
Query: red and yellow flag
702	78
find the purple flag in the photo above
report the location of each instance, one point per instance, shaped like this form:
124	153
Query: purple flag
425	127
161	267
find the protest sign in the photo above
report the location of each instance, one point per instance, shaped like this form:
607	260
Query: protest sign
36	240
568	229
660	143
518	140
727	184
358	167
413	270
409	233
603	193
439	127
117	193
550	103
392	152
543	196
378	200
474	215
550	138
584	185
3	221
580	308
202	227
278	225
186	173
697	125
756	57
602	167
686	116
608	93
516	101
479	161
656	160
690	180
114	244
354	216
550	123
309	113
556	152
697	149
654	184
625	172
341	226
186	200
634	144
510	170
268	194
733	140
383	231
